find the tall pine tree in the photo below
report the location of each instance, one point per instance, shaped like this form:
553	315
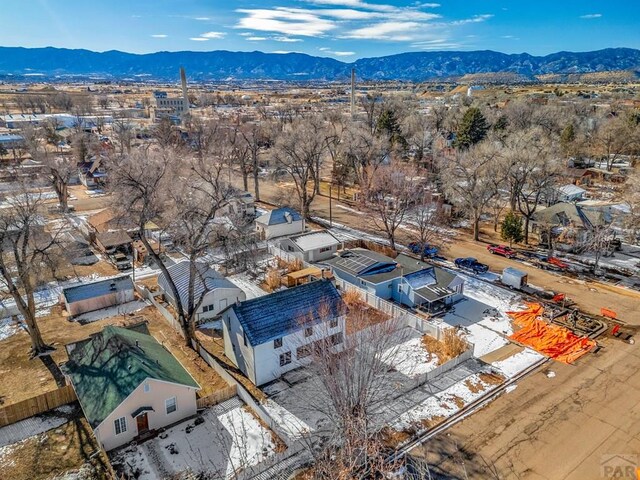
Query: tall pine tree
473	128
511	228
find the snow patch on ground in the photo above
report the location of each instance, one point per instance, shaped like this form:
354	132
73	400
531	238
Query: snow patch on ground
513	365
293	426
8	327
510	388
445	403
19	431
124	309
248	286
230	439
411	357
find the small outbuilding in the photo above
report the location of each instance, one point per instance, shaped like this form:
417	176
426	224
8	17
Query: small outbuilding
89	297
311	247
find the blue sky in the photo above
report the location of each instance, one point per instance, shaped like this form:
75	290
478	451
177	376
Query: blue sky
343	29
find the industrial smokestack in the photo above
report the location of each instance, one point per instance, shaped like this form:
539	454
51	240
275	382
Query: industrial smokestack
353	92
185	97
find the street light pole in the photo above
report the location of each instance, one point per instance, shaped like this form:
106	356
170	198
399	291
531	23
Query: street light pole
330	205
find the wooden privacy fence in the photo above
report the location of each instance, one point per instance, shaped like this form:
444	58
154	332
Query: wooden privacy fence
33	406
217	397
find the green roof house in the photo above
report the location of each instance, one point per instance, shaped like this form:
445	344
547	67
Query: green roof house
128	384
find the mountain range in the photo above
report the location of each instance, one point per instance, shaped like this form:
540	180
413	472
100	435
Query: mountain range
54	63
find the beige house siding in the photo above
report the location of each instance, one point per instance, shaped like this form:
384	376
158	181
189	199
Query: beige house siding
158	393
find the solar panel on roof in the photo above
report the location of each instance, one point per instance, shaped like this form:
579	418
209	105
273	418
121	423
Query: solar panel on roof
356	263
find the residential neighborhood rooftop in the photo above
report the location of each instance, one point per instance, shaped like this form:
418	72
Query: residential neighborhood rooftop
286	311
279	216
108	367
85	291
313	240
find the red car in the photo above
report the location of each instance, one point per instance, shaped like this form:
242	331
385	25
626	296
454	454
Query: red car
558	263
502	250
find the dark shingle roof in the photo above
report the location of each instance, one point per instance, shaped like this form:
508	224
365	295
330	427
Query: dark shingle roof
284	312
205	281
280	215
84	291
107	368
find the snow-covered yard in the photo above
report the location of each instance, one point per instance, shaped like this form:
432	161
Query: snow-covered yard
293	426
229	439
411	357
447	402
8	327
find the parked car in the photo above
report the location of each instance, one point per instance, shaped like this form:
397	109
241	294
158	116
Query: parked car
502	250
428	250
558	263
471	264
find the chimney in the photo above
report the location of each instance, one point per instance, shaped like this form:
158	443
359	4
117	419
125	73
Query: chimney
353	92
185	97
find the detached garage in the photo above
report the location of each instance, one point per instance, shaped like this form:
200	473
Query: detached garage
88	297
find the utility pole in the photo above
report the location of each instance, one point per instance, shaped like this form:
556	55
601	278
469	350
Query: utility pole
353	92
330	206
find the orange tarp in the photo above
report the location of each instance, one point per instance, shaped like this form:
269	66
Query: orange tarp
553	341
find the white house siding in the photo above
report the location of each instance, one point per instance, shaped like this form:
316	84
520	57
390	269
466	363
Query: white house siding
267	358
280	230
261	364
234	346
159	391
220	298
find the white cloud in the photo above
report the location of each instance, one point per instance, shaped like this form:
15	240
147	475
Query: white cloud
343	54
288	21
324	49
397	31
376	7
159	35
202	19
256	39
283	52
199	39
475	19
287	39
213	35
590	16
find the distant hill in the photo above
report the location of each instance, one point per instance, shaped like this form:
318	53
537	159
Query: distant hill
224	65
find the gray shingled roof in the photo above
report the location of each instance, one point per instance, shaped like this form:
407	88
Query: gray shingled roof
206	280
280	313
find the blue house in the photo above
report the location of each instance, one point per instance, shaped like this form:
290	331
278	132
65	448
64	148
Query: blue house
270	335
404	280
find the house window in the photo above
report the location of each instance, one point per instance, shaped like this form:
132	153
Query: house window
289	248
171	405
277	342
146	388
285	359
399	288
325	249
308	331
207	308
333	323
120	425
303	351
244	338
362	282
336	338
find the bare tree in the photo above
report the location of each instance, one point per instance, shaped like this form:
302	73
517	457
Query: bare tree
257	138
364	152
427	217
614	137
123	133
598	243
299	151
471	179
27	252
391	195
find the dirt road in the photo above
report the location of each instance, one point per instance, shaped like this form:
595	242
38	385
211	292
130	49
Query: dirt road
558	428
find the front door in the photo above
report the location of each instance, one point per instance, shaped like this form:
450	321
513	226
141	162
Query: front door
143	423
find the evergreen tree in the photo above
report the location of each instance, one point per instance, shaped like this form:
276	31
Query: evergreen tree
389	125
567	137
511	228
473	128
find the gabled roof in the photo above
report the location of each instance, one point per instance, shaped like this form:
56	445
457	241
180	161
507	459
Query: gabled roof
206	280
106	369
276	315
84	291
279	216
113	239
571	189
565	213
313	240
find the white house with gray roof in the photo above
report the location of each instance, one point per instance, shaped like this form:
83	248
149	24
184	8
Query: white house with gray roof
213	293
312	246
278	223
267	336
